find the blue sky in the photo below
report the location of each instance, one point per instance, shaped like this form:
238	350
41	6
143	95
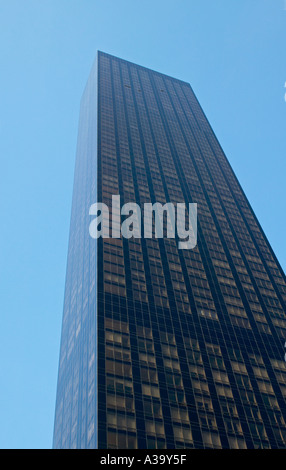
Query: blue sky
232	53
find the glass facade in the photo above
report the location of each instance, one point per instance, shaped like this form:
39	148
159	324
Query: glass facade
165	347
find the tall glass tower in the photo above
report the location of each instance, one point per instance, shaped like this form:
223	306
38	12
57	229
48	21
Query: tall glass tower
164	347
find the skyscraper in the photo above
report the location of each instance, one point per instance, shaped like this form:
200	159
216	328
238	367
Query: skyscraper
165	347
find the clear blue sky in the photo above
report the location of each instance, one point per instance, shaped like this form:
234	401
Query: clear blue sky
233	54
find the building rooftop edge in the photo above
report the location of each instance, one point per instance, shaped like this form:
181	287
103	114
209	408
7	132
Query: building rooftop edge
141	66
